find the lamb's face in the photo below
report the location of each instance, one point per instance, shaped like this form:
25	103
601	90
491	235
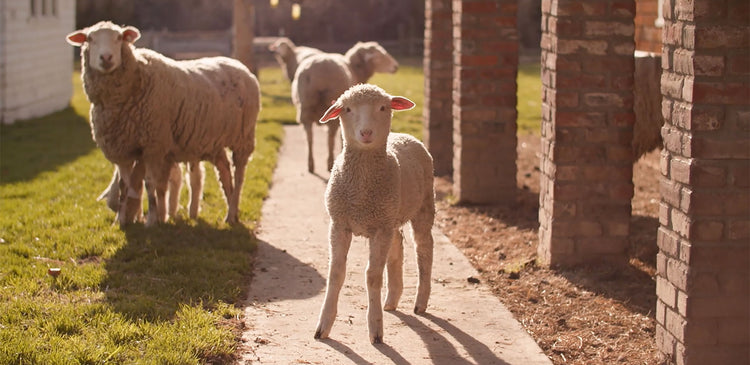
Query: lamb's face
104	42
365	112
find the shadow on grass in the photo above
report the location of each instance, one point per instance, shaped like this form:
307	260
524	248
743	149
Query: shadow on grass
163	267
43	144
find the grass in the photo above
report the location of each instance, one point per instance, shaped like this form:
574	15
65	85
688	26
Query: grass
168	295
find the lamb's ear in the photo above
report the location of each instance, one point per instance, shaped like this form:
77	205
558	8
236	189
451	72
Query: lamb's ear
77	38
401	103
332	113
131	34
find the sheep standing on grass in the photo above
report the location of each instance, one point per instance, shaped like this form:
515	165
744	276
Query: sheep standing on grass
379	182
158	111
322	78
290	56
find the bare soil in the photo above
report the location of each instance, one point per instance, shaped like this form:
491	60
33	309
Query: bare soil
596	314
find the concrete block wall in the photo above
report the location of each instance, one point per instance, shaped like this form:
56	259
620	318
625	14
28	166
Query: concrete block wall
587	128
703	264
485	64
438	83
36	60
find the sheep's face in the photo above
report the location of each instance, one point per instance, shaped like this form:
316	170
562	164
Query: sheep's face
382	61
104	42
365	112
281	49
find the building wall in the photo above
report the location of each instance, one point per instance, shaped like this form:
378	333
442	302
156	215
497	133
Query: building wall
35	59
647	34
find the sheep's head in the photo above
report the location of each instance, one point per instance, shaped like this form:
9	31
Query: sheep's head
103	41
282	48
373	55
365	112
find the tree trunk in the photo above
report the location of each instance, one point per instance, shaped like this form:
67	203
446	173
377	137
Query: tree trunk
243	33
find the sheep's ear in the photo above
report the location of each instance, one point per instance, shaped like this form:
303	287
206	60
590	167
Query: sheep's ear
131	34
332	113
77	38
401	103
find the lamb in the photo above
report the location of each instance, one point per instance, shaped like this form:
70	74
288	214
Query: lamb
116	191
379	182
322	78
150	108
290	56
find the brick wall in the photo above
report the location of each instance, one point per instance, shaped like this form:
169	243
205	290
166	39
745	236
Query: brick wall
702	311
485	58
647	35
438	84
587	127
35	77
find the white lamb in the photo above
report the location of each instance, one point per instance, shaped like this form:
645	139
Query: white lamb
150	108
290	56
379	182
322	78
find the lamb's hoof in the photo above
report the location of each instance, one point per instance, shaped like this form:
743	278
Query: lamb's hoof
231	220
318	334
418	310
389	308
377	340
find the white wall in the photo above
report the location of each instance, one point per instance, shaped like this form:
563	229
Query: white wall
35	60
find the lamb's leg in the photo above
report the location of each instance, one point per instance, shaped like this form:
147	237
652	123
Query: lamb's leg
379	246
196	172
395	267
224	172
173	190
340	240
422	227
157	177
333	128
309	134
112	192
240	159
131	187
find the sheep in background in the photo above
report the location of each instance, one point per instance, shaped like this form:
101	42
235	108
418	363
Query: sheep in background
379	182
290	56
150	108
320	79
116	192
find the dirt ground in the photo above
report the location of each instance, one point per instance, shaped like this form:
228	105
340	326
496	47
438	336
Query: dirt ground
584	315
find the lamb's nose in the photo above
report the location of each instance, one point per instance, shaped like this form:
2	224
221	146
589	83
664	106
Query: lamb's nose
366	132
106	57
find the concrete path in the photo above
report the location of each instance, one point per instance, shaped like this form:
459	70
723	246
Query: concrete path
464	324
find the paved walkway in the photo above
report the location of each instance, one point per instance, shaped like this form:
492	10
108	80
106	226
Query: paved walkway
464	324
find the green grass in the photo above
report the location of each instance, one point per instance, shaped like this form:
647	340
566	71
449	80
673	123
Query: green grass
529	103
165	295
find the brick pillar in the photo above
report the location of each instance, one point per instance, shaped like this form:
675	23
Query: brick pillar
438	84
587	127
703	274
485	59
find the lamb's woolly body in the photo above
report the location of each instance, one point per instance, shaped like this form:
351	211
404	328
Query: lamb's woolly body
378	183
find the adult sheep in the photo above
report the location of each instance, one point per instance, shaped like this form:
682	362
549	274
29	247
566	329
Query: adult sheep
379	182
290	56
320	79
150	108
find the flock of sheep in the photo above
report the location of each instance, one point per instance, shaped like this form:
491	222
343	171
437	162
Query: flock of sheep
149	113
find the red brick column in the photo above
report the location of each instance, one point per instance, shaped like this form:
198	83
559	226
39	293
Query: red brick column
485	58
438	84
703	265
587	127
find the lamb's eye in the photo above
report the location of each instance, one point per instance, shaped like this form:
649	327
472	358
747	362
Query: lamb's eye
347	109
382	108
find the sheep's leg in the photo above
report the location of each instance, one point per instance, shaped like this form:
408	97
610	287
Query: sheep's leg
224	172
340	240
157	176
333	128
422	228
240	160
196	172
131	188
395	268
309	134
173	190
379	246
